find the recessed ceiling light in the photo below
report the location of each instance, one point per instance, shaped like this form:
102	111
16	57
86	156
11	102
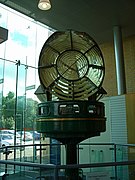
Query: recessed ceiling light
44	4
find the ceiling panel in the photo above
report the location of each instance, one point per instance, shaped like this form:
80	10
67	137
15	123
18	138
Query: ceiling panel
95	17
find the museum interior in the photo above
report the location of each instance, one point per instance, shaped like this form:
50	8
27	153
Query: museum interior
67	90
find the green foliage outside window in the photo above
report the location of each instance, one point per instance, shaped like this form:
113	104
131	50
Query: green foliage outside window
25	112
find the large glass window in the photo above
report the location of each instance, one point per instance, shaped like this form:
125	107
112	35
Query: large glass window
18	69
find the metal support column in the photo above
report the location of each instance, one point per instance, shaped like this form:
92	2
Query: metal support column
120	69
16	108
71	158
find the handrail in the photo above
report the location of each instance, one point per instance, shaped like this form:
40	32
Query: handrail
107	144
28	145
52	166
47	166
95	165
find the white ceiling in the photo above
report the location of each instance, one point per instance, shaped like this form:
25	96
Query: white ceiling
96	17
